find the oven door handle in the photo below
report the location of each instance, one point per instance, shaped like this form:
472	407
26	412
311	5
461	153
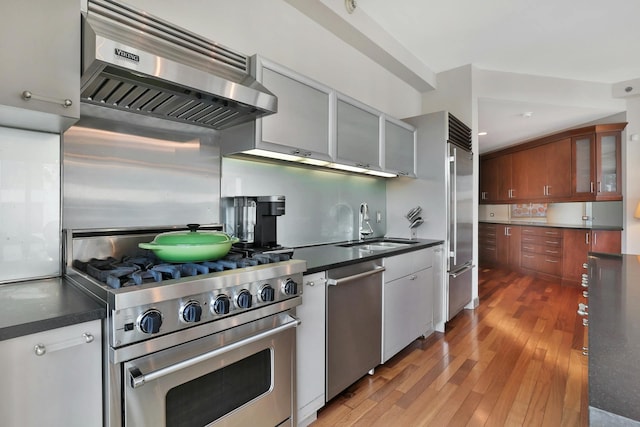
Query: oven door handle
138	379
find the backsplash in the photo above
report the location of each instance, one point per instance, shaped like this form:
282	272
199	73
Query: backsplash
598	213
321	206
29	204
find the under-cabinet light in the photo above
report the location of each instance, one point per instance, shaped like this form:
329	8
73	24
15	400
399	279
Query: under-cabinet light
348	168
274	155
382	174
316	162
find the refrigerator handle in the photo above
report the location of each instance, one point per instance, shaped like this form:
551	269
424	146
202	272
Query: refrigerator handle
454	211
461	271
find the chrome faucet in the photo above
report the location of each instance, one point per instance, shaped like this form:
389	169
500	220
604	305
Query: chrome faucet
364	228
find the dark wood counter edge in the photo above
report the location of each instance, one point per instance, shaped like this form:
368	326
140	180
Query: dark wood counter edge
551	225
421	244
91	310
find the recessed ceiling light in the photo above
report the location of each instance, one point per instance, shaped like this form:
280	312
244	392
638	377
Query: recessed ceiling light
527	115
482	133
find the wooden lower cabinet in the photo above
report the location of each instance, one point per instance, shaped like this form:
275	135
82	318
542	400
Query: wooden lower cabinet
487	249
542	250
499	244
548	251
578	244
508	245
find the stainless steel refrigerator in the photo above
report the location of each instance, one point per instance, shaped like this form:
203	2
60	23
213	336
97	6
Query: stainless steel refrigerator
460	228
444	189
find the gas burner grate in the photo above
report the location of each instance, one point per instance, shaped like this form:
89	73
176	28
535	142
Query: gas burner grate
139	270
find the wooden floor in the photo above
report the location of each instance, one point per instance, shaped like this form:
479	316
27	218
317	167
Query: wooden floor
514	361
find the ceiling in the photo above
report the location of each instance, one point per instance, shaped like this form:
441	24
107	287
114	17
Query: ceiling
586	40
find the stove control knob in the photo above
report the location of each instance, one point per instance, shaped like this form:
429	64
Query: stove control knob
191	312
150	321
290	287
243	300
267	293
221	305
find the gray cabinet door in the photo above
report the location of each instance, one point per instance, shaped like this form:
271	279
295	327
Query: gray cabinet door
358	134
399	148
41	55
301	126
53	378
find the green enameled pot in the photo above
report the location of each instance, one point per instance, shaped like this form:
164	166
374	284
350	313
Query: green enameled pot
190	246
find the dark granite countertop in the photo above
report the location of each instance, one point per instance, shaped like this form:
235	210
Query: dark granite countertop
40	305
614	335
553	225
325	257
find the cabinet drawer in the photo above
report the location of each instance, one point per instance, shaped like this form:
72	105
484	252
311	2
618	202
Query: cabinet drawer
488	241
408	263
541	249
542	263
550	265
542	231
486	231
542	240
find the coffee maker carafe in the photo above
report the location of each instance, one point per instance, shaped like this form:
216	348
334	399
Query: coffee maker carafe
253	219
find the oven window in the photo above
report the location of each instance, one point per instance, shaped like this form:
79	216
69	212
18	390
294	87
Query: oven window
207	398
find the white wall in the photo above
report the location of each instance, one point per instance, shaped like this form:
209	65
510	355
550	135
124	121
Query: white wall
631	179
278	31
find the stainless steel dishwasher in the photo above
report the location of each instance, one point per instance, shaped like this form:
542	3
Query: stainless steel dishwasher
354	323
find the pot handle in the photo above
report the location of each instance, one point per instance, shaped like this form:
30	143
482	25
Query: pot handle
193	227
146	245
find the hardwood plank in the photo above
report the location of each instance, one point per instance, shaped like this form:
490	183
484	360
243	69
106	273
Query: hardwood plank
514	360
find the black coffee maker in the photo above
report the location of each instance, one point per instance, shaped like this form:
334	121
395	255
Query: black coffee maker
252	219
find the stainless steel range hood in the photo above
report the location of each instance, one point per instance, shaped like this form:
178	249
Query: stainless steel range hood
137	63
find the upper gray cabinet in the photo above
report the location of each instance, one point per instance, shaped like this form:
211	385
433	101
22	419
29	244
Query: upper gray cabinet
358	136
302	125
399	147
319	126
40	87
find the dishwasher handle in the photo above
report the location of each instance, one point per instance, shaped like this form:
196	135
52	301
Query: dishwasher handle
343	280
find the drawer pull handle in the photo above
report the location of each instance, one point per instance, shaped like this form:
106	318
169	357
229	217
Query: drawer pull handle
41	349
551	260
583	309
27	95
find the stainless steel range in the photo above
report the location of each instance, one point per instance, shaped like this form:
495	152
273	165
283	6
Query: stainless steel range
210	343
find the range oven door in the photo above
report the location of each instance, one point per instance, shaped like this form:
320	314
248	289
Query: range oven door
243	376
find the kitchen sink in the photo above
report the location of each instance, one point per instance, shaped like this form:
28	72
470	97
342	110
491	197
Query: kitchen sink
378	245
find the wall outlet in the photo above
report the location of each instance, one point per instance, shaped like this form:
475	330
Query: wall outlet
414	233
378	217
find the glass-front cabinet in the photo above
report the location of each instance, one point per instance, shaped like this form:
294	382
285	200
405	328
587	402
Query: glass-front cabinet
358	136
302	125
584	172
608	161
597	164
399	147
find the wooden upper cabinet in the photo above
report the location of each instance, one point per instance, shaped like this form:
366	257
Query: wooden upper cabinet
596	167
520	171
489	180
557	160
583	181
496	179
576	165
608	164
505	178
